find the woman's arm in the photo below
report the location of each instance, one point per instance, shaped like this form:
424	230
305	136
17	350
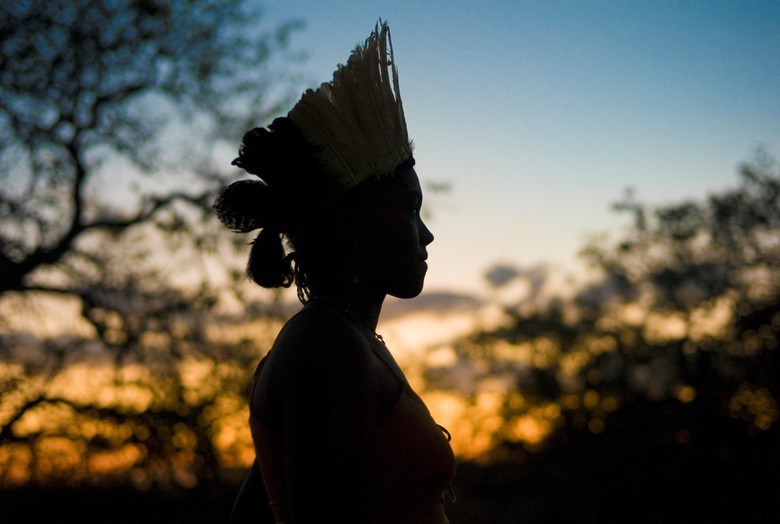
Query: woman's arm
251	505
330	403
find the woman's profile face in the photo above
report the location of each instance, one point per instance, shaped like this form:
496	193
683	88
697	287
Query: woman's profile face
393	238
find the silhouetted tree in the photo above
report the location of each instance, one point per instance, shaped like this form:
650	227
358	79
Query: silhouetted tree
93	93
116	122
663	372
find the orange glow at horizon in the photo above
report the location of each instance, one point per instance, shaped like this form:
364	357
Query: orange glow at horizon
492	414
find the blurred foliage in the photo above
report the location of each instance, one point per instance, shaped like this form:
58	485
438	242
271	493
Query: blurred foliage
662	374
113	114
117	122
131	360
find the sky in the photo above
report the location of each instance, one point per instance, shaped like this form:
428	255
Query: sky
540	114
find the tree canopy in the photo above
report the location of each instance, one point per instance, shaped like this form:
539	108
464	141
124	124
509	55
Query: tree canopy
93	94
660	377
117	119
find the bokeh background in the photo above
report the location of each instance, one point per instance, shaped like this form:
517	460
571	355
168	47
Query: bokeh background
599	329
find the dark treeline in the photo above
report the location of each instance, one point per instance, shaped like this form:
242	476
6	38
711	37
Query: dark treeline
666	371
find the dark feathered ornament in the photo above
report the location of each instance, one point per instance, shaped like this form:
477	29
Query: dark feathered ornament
246	205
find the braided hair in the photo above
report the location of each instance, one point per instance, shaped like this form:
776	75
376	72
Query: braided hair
290	202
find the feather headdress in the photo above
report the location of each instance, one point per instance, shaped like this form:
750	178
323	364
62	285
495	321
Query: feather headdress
356	122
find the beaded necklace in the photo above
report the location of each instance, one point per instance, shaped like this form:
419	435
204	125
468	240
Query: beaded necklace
347	312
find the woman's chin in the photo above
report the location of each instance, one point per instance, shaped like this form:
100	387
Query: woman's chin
408	291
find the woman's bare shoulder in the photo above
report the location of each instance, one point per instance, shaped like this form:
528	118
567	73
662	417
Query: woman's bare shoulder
320	363
319	336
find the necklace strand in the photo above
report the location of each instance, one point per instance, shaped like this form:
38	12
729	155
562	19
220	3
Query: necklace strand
349	314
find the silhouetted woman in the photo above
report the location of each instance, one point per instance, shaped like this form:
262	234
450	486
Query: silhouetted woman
339	435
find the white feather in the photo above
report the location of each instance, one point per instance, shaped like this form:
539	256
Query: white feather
356	122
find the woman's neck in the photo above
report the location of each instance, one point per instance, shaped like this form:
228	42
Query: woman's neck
358	302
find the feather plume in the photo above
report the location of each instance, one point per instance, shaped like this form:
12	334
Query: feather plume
244	205
356	122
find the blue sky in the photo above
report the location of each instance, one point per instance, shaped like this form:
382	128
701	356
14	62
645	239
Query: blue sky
540	114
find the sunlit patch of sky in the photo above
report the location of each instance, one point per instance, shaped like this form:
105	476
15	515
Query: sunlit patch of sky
541	113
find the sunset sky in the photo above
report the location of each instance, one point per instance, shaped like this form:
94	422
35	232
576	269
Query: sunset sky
541	114
538	115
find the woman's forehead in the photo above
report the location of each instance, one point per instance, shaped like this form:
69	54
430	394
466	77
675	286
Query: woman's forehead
398	189
405	183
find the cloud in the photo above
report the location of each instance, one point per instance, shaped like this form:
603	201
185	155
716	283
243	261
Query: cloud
439	302
501	275
527	283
